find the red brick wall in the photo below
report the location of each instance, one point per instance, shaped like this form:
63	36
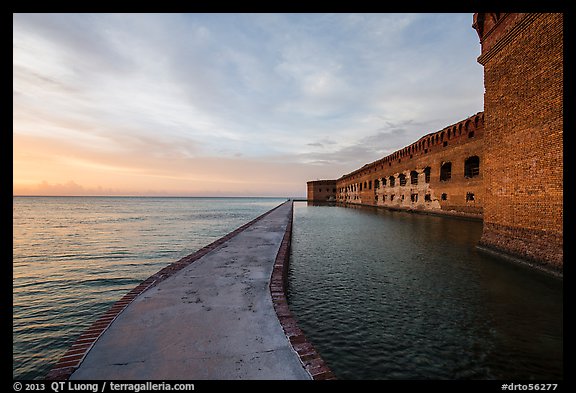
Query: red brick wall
452	144
523	165
321	190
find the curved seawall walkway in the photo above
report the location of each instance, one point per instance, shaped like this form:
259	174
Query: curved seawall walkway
212	319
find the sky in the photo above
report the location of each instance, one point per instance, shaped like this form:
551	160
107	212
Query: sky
229	104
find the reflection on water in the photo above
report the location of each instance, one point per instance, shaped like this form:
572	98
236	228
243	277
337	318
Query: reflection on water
394	295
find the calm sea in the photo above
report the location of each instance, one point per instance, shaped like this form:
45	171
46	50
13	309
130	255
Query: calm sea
393	295
73	257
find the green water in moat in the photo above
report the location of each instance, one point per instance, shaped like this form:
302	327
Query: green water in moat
394	295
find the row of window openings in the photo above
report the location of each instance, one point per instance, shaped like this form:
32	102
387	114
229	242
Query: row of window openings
427	198
413	198
471	169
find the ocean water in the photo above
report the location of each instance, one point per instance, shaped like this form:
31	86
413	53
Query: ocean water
73	257
393	295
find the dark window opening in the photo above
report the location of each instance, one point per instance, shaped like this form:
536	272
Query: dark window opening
360	186
425	151
427	174
444	197
472	166
383	181
333	190
469	197
399	160
414	197
445	143
392	181
414	177
384	198
389	164
402	197
376	184
411	155
446	171
402	179
392	197
471	134
319	190
364	185
427	198
370	184
376	198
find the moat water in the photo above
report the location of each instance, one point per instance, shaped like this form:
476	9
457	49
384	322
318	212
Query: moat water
394	295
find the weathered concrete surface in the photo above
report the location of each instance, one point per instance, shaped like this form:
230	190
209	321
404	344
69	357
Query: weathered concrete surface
213	319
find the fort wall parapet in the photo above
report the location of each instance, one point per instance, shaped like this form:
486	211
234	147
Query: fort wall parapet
441	171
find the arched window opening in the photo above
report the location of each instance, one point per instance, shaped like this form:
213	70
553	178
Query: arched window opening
427	171
402	178
383	182
392	181
376	184
472	166
413	177
444	196
446	171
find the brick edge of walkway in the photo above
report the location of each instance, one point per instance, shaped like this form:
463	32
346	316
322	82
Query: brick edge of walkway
310	358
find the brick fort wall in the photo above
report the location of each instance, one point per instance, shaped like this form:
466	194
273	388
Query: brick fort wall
523	108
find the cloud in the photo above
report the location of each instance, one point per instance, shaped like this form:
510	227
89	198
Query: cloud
151	93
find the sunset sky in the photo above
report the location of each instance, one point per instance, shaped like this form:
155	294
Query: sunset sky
228	104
